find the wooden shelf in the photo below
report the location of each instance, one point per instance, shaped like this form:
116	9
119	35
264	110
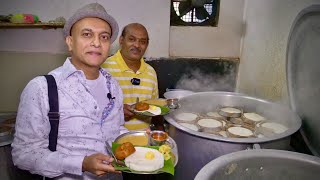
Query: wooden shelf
37	25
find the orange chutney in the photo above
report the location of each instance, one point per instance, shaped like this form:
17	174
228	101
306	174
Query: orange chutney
159	136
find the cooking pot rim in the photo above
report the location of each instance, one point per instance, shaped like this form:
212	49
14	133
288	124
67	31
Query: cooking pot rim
289	132
224	160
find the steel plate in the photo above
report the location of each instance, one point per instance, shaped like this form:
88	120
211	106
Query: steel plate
171	142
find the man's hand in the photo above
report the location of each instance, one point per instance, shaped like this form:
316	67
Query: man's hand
127	109
98	164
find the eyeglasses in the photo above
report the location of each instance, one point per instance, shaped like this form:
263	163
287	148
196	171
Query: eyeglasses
135	81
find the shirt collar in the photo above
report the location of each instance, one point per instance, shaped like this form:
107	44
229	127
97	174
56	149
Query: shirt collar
69	69
124	67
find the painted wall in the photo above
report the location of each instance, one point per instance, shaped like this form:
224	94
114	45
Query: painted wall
262	71
26	53
17	69
155	17
221	41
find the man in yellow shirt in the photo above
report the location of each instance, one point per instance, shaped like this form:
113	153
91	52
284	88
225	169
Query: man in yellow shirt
136	78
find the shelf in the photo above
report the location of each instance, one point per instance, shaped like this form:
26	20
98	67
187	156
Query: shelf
37	25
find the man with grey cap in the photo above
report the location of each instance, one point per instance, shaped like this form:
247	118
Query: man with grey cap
90	105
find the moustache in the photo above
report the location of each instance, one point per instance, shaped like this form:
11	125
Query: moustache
135	49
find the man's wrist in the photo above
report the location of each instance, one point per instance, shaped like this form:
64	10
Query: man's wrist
84	168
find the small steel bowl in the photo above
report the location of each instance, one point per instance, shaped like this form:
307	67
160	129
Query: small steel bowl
158	138
173	103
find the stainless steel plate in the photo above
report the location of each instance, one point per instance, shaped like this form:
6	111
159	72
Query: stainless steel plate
171	142
133	133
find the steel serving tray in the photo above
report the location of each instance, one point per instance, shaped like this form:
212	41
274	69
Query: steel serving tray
171	142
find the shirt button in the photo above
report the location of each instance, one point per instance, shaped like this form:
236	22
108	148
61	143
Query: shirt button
95	107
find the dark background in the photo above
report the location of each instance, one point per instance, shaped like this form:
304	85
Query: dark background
170	71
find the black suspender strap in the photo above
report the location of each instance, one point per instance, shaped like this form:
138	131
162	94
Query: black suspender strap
53	112
54	123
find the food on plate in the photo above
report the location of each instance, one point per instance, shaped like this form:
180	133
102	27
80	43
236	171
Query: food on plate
136	139
145	159
272	127
141	106
155	110
252	118
158	102
166	151
158	138
190	126
239	132
165	148
124	150
188	117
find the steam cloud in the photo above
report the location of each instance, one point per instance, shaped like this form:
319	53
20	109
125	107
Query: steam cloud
200	82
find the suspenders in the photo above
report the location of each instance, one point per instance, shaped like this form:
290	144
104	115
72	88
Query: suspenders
54	124
53	112
54	117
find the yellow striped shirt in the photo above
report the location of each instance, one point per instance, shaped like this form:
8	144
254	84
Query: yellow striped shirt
148	88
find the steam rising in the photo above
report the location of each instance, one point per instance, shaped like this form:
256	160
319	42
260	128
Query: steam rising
198	81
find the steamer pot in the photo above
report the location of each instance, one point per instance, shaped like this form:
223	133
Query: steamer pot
262	164
302	63
176	93
199	148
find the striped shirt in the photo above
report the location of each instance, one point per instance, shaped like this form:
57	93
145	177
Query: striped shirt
148	88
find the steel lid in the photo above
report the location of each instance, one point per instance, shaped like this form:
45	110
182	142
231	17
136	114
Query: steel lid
303	71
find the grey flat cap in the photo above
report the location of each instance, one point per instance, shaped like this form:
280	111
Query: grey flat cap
92	10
